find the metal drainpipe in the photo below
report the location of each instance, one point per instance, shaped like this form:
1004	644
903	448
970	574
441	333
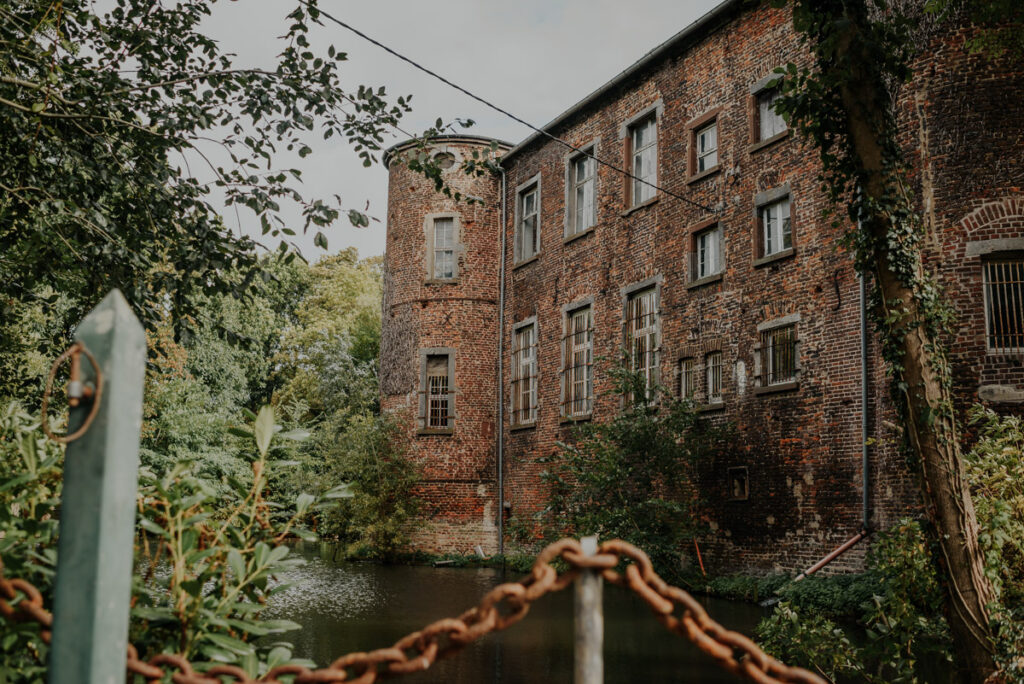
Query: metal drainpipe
500	432
865	513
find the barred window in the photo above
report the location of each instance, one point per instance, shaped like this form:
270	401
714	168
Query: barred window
644	162
713	373
582	206
438	399
524	375
444	248
1004	304
778	355
642	334
688	378
577	374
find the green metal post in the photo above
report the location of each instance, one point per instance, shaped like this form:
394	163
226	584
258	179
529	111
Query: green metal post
97	519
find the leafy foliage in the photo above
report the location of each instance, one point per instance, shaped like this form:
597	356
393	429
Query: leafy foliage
628	477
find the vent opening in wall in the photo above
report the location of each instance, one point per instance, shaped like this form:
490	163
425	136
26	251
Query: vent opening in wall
739	484
445	160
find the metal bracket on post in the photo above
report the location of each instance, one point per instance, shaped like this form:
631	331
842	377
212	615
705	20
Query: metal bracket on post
589	621
97	519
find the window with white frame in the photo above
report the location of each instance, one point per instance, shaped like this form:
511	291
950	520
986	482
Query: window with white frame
778	355
444	240
644	162
642	334
688	378
776	232
1003	280
713	377
437	402
577	371
524	374
706	141
528	227
707	253
582	200
769	123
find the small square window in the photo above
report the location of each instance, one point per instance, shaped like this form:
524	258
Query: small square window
1004	304
713	377
582	195
527	243
776	231
644	160
706	141
707	253
687	378
769	122
778	355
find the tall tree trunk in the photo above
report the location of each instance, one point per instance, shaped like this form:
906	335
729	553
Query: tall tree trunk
930	423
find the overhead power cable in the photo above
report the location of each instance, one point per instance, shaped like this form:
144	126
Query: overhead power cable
502	111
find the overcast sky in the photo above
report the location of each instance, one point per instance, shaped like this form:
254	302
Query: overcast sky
535	58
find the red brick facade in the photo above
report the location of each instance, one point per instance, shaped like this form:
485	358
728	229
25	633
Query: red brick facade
797	411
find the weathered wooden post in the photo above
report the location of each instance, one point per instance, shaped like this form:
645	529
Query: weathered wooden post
97	520
589	621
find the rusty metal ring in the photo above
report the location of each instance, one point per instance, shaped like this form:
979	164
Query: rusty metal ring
71	351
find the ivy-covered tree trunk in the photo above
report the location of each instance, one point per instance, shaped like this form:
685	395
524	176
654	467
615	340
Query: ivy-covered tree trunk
846	108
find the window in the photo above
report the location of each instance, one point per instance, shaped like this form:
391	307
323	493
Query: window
776	233
713	376
444	248
582	204
688	378
778	355
1004	304
769	123
642	334
578	351
707	253
644	162
438	397
527	242
739	483
706	141
524	374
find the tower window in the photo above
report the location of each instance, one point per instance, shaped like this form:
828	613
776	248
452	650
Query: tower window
1004	304
437	391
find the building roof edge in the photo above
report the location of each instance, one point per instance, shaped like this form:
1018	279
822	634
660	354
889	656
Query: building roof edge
454	138
652	56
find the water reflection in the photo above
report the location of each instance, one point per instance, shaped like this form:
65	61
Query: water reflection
346	607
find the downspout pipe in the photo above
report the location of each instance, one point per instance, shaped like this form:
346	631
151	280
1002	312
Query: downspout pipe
500	431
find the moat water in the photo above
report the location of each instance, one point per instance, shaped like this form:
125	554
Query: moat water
347	607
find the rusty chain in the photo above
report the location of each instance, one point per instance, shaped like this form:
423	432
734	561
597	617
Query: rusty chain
503	606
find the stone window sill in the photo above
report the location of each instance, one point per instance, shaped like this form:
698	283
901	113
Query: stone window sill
638	207
576	236
441	281
772	258
713	406
515	427
704	174
706	280
566	420
767	142
778	387
524	262
422	432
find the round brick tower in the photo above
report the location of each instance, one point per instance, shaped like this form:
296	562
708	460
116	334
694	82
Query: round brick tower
439	344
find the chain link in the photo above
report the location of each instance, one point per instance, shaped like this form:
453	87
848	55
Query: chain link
500	608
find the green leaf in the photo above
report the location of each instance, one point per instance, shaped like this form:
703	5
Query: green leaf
264	429
237	564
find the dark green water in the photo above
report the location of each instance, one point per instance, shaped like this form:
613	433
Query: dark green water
347	607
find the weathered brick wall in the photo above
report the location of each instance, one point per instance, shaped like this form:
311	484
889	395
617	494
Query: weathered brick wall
801	447
458	469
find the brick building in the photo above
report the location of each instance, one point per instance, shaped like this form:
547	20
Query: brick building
718	276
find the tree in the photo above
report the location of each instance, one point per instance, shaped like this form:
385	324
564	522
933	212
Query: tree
845	105
102	116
